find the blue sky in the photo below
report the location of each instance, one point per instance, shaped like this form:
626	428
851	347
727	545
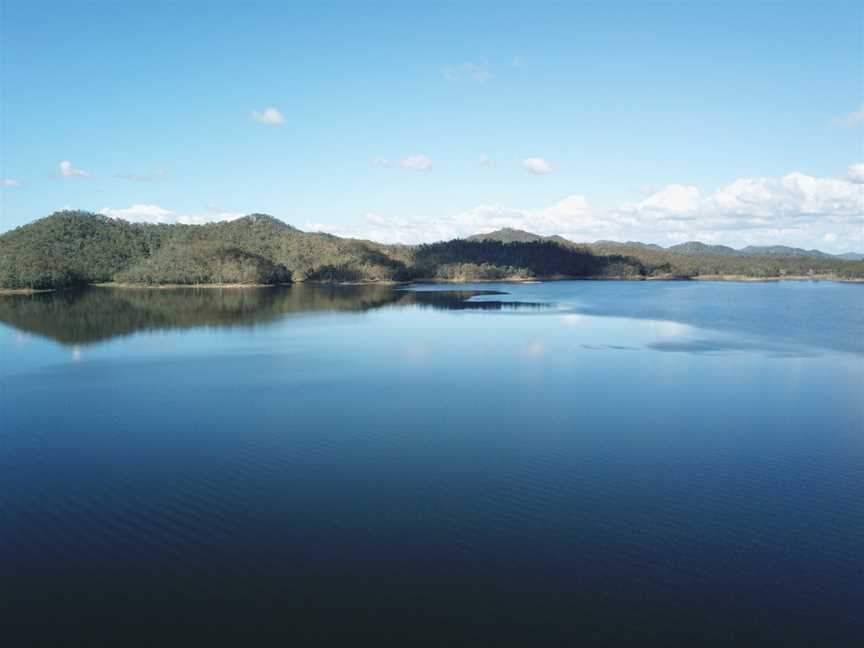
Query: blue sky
730	122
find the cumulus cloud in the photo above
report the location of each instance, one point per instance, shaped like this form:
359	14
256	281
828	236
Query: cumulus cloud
537	165
269	115
9	182
854	118
478	72
145	213
793	195
148	176
417	162
569	216
673	201
67	170
855	173
140	213
795	209
756	200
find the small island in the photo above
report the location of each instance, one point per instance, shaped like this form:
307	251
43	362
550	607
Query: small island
75	248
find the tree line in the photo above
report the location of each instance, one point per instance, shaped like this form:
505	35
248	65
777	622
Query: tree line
71	248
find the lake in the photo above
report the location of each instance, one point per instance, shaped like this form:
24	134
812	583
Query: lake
550	464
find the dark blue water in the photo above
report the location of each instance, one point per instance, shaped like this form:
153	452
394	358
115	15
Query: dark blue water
569	463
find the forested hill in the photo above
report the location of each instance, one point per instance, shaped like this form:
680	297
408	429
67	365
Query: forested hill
71	248
509	235
695	259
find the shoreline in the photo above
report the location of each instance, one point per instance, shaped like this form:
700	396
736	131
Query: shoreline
729	278
25	291
137	286
748	279
521	280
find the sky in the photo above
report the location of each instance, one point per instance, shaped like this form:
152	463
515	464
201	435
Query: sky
728	122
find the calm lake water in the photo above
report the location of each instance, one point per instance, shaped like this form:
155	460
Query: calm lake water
554	464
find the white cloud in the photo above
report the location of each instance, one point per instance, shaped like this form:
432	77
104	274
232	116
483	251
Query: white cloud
570	216
269	115
796	209
678	199
478	72
852	119
753	201
537	165
418	162
67	170
390	229
793	196
140	214
144	213
485	160
148	176
9	182
673	201
855	173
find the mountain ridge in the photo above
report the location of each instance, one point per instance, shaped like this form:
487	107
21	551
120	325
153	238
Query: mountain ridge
508	234
70	248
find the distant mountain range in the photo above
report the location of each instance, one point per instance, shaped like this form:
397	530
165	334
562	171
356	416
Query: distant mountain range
510	235
71	248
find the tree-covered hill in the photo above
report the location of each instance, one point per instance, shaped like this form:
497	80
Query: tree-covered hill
203	261
462	259
507	235
695	259
691	262
72	248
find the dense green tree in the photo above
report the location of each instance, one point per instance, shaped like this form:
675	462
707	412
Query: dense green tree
71	248
203	262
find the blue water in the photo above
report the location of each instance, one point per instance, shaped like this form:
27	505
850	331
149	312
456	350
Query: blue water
566	463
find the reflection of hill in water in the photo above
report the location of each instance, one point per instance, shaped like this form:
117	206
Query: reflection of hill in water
94	314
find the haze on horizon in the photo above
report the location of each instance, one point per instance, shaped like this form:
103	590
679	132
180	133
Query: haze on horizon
737	124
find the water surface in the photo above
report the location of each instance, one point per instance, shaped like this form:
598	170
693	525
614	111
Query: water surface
563	463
